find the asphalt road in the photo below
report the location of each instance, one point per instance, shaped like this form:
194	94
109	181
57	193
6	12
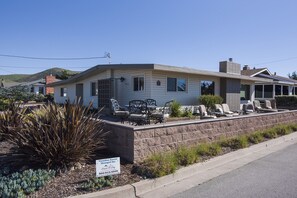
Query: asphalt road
272	176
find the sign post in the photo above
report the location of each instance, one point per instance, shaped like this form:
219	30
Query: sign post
109	166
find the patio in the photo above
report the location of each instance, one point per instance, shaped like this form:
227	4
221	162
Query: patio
135	143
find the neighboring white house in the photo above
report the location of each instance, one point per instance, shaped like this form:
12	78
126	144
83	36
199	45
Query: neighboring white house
126	82
278	86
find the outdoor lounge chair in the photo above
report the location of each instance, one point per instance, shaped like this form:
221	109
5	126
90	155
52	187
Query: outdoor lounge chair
248	108
259	109
119	111
163	113
227	111
138	112
219	110
204	114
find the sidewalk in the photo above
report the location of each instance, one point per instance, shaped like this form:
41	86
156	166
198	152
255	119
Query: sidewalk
188	177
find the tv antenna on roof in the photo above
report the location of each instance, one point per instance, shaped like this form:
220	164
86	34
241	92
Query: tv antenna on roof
107	55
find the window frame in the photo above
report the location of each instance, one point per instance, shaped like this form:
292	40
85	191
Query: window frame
63	91
176	84
91	88
138	83
214	86
262	91
265	93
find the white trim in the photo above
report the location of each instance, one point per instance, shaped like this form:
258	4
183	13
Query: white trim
265	69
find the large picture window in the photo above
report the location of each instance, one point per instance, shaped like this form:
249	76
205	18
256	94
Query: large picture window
245	92
176	84
207	87
268	91
94	89
278	90
138	83
259	91
285	90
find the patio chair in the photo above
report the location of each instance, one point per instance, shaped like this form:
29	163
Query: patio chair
260	109
248	108
219	110
138	112
227	111
204	114
163	113
152	102
119	111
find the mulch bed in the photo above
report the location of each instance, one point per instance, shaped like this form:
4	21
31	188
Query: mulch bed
64	184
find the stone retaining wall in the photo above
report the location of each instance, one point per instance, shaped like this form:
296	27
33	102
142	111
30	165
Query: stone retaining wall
136	143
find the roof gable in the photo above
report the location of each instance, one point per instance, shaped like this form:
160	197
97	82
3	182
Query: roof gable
255	72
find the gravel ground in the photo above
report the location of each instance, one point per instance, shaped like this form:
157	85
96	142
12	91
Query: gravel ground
64	184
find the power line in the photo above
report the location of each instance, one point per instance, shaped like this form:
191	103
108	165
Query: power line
30	67
276	61
106	55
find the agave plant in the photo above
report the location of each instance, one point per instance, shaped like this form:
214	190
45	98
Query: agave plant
59	136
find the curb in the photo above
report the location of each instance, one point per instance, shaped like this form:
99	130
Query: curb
201	172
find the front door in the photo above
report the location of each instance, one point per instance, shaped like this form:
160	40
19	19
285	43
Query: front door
80	93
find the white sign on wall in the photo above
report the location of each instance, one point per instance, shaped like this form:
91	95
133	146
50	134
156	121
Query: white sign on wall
109	166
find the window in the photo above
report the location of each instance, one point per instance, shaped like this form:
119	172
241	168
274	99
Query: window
181	85
94	89
32	89
295	88
285	90
63	92
259	91
138	83
268	89
176	84
41	90
207	87
278	90
245	92
171	84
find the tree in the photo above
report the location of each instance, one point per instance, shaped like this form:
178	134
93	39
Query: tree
293	75
64	75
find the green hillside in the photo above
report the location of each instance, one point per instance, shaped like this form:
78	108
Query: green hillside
14	77
33	77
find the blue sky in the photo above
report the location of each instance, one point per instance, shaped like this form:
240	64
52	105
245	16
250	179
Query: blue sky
191	33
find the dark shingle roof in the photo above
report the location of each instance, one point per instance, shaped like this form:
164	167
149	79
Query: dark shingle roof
278	78
250	72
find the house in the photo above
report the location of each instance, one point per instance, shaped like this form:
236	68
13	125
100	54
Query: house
126	82
37	86
278	86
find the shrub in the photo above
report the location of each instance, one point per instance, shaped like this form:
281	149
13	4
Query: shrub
212	149
58	137
187	113
175	109
282	130
286	101
270	133
186	156
158	165
210	100
97	183
22	184
9	119
256	137
236	143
